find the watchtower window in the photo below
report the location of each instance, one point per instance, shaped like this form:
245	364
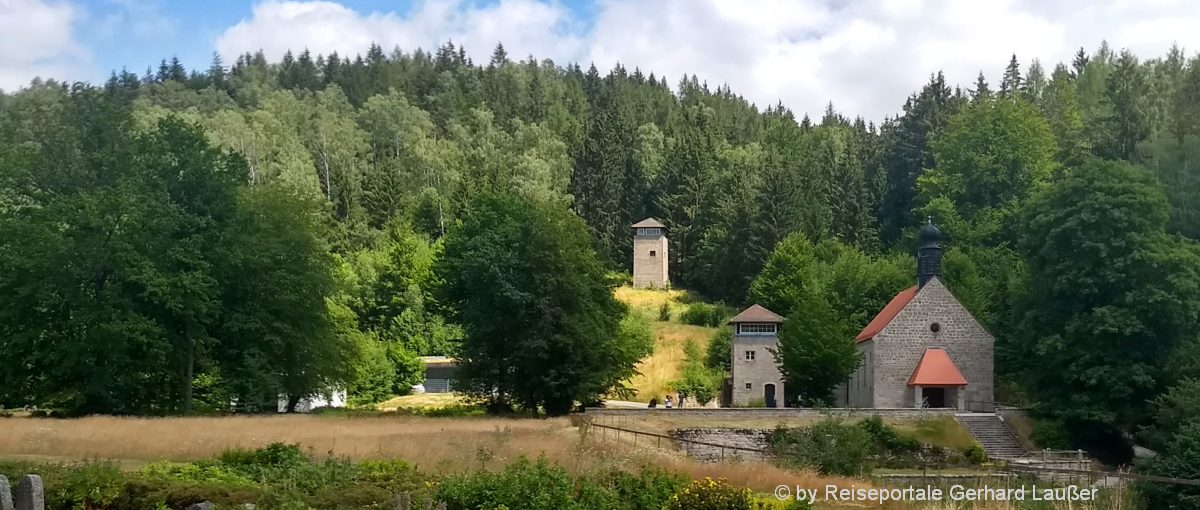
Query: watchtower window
749	355
649	231
757	329
652	253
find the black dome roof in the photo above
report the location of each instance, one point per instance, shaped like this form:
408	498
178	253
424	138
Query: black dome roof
929	236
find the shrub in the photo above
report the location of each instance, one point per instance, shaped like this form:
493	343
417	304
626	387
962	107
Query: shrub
1050	433
92	485
704	314
664	312
975	454
272	455
886	437
829	446
647	490
523	484
709	494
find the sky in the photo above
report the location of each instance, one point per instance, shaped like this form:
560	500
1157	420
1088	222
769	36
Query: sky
864	56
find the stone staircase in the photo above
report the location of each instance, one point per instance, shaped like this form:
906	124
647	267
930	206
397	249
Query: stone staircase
993	434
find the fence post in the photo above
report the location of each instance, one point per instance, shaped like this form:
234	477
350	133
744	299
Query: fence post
30	493
6	501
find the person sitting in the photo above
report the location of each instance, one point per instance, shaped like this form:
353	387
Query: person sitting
668	405
653	403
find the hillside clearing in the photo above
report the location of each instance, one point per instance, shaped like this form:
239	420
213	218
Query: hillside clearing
658	370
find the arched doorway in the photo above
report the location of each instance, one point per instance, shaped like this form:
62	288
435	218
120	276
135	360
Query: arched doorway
769	395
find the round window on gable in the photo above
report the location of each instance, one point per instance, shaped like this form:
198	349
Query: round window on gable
935	327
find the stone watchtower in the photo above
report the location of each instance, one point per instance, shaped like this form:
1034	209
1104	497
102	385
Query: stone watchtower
650	254
754	371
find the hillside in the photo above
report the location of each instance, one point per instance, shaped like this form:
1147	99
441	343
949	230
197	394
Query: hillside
663	366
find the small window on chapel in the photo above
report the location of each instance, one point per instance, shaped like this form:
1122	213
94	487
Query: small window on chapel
749	385
935	327
749	355
652	253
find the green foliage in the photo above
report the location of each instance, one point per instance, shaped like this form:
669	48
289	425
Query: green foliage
542	485
698	380
975	454
989	157
664	312
833	446
704	314
828	446
1051	433
719	354
1111	297
710	494
97	485
1179	459
816	353
533	264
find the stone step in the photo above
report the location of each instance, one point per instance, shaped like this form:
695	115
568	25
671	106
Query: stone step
993	435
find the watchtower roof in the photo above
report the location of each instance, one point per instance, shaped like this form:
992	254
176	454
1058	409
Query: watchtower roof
756	313
648	223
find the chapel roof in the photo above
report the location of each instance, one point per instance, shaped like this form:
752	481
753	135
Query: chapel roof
756	313
648	223
936	369
886	315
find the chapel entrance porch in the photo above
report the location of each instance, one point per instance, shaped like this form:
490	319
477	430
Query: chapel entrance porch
937	382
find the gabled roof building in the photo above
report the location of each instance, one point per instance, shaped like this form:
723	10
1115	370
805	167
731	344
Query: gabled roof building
924	349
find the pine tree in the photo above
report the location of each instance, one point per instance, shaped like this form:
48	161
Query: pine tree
1010	84
1079	63
981	92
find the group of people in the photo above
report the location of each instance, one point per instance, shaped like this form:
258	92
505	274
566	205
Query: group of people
667	401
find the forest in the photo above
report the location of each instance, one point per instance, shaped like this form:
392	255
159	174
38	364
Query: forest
178	239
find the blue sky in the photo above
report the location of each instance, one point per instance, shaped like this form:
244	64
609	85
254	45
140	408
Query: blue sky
865	56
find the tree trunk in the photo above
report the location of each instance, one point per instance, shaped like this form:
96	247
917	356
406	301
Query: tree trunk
189	369
293	401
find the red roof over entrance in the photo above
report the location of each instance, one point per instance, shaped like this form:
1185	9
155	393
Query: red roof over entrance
936	369
887	314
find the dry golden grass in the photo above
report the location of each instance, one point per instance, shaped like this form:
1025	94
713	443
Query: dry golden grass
438	444
660	368
663	366
648	301
421	401
433	444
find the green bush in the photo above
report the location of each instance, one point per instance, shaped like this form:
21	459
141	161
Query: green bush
664	312
886	437
710	494
540	485
704	314
975	454
522	485
1050	433
92	485
829	446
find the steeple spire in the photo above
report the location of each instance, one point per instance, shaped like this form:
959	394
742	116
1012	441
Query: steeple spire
929	252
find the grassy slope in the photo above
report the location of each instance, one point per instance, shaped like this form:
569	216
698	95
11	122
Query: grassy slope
662	367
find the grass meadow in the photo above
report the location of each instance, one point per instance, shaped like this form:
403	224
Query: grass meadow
658	370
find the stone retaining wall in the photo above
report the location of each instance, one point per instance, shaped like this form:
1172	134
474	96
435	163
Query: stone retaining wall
737	438
733	413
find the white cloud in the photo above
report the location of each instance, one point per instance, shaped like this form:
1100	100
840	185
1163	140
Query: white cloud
37	40
524	26
866	57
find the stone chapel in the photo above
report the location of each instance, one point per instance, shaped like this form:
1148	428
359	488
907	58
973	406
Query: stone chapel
924	349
